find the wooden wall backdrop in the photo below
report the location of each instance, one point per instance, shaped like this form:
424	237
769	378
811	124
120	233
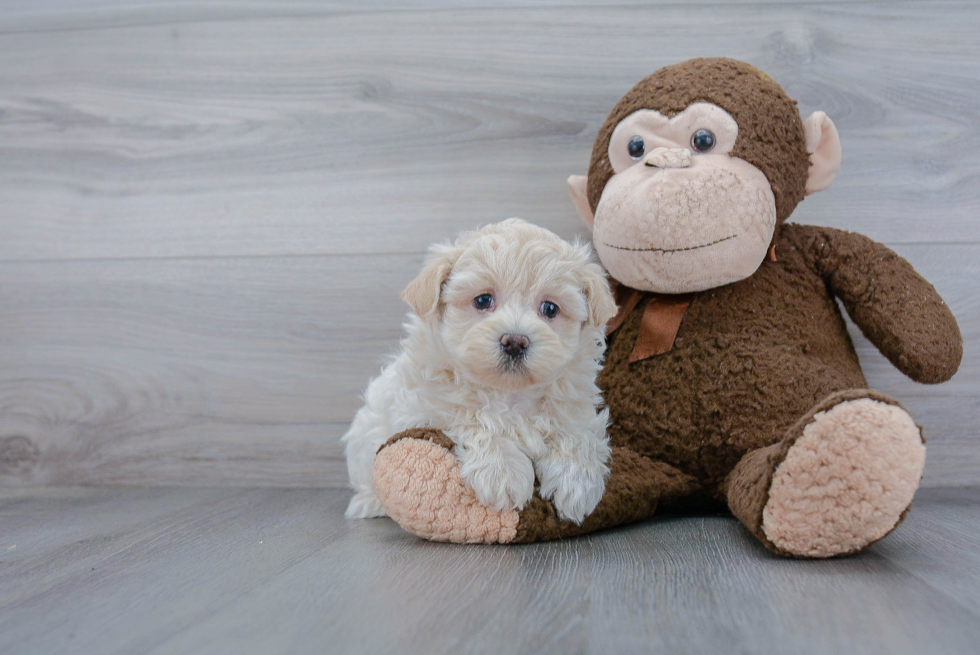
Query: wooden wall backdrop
207	211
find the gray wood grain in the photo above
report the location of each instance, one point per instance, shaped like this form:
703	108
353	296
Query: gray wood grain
274	571
29	15
367	132
206	212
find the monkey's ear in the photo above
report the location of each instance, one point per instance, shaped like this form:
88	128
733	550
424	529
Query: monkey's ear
602	304
578	189
823	144
422	294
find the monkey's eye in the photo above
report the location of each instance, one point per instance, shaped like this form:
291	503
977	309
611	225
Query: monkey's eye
635	148
549	309
483	302
703	140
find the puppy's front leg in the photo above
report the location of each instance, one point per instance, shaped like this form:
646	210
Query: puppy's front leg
573	474
498	472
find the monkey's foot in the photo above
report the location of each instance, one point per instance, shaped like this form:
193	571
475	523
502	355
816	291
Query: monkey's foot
416	477
846	480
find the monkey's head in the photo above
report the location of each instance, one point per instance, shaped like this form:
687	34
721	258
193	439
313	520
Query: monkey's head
694	169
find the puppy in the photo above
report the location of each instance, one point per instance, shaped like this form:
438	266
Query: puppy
501	354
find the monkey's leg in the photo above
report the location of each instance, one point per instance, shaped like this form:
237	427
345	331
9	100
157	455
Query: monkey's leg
842	478
416	476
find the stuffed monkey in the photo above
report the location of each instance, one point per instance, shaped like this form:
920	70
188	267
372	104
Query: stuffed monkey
729	373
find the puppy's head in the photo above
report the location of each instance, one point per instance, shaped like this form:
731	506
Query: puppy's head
513	304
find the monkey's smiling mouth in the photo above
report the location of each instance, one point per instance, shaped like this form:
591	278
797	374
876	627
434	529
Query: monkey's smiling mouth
703	245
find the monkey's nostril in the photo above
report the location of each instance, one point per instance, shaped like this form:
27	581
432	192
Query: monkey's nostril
514	345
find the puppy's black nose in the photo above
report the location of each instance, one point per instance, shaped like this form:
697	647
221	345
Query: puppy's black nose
514	345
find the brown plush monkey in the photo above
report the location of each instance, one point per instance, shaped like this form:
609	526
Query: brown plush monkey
730	377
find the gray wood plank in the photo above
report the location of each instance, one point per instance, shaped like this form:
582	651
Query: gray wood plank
71	14
357	132
247	370
942	529
226	371
274	571
137	582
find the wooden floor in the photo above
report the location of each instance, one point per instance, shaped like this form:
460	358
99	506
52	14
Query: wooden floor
117	570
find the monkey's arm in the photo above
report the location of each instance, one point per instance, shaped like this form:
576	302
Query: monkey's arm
895	307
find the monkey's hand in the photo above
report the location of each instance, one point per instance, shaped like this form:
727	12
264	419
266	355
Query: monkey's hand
895	307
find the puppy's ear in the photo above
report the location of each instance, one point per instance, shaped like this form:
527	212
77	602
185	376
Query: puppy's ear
422	294
602	304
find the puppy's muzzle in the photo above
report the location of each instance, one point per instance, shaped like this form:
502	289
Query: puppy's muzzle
514	345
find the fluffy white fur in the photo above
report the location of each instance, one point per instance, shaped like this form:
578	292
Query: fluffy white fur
510	421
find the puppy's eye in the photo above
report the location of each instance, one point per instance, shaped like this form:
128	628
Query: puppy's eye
636	148
703	140
549	309
483	302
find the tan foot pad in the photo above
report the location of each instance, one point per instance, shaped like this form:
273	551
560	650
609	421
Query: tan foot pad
847	480
419	485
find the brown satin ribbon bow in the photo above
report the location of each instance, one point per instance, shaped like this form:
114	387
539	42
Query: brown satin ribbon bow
661	319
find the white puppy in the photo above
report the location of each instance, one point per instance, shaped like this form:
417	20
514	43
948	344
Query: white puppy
502	353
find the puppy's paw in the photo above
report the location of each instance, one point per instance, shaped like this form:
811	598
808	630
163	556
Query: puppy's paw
502	479
573	488
364	505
